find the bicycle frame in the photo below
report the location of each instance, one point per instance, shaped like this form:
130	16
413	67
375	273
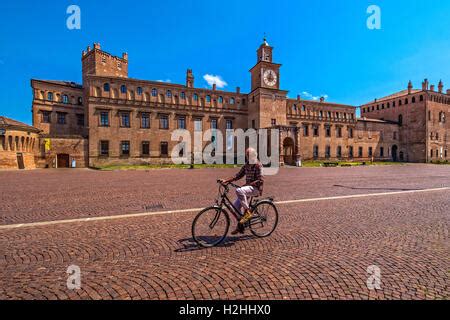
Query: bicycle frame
225	201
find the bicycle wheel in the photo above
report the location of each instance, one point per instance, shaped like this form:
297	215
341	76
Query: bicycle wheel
210	227
265	219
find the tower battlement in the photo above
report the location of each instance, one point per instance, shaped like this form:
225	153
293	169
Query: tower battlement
95	61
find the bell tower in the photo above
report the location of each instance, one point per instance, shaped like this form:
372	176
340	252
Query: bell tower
267	103
265	74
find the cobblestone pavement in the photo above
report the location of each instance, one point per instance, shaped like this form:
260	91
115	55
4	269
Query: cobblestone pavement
321	249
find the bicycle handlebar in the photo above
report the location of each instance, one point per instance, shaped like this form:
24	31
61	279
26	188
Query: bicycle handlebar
228	184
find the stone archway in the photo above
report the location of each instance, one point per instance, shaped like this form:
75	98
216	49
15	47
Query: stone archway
289	154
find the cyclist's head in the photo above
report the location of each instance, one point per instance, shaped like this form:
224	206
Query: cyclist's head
251	155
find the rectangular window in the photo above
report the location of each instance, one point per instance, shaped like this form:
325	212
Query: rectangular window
198	124
229	124
350	133
61	117
254	124
360	152
145	120
316	130
395	135
181	123
381	152
46	116
125	148
316	152
305	130
339	132
339	152
370	151
164	149
164	122
80	120
327	151
125	119
327	131
104	119
145	148
104	148
350	151
213	123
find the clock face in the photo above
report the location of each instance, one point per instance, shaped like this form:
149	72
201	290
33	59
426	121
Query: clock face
270	77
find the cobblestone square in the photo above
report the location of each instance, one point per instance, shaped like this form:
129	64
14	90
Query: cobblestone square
137	244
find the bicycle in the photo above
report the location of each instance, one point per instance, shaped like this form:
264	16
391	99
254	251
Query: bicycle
211	225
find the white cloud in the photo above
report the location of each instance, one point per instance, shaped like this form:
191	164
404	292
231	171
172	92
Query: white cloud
307	95
212	79
167	80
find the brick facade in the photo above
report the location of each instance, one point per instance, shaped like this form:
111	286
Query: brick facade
112	118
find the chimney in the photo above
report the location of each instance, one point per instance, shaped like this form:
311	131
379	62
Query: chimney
125	56
410	87
238	90
189	78
298	97
440	86
214	87
432	87
97	46
425	84
322	99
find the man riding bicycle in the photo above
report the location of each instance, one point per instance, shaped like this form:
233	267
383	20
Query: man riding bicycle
252	170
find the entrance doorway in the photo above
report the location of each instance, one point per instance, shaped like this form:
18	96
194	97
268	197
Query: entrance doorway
20	162
63	160
289	151
394	153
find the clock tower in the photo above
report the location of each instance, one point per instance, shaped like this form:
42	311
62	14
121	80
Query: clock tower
267	103
265	74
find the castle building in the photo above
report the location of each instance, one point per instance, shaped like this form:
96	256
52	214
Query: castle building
112	118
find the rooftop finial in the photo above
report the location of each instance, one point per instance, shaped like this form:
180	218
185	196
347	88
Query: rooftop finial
265	40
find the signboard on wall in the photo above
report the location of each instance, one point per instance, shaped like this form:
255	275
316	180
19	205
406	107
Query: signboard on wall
47	144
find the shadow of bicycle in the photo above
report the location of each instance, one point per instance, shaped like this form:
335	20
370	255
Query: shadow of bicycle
190	245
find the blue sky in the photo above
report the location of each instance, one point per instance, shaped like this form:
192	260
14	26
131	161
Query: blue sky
324	45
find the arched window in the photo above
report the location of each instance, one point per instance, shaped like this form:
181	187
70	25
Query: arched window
65	99
406	101
233	101
123	88
106	87
50	96
400	119
413	99
169	94
208	98
421	98
80	101
220	99
139	91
